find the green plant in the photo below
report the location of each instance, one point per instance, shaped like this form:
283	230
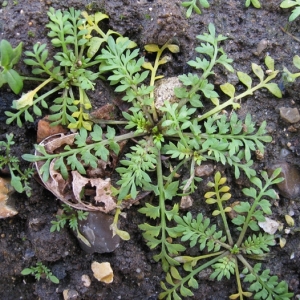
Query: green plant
182	132
71	216
71	32
255	3
289	77
9	57
194	5
290	3
225	253
40	271
19	179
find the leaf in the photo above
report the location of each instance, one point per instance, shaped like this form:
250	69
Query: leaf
14	80
269	61
296	61
171	190
175	274
27	271
152	48
228	89
173	48
245	79
258	71
274	89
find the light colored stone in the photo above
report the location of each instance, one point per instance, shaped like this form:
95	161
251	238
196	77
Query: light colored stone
103	272
86	280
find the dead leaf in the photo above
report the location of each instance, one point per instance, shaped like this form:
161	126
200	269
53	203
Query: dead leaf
103	198
6	209
45	129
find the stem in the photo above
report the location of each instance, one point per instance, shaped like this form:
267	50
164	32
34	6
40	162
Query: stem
238	279
250	214
233	100
162	207
219	201
87	147
198	270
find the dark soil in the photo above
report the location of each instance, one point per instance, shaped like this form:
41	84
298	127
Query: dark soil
26	238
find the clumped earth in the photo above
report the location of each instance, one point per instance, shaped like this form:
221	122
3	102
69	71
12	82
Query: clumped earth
252	34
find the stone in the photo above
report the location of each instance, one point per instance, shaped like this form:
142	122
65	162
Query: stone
96	229
290	187
103	272
290	115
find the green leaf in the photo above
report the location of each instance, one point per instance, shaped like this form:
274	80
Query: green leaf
27	271
150	211
171	190
14	80
245	79
258	71
274	89
228	89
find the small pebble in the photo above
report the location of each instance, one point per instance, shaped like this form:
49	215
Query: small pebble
204	170
86	280
290	187
290	115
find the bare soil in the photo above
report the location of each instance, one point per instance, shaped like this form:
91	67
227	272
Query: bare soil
26	238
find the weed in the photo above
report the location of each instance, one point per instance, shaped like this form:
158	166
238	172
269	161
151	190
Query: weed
71	216
289	77
181	132
290	3
40	271
19	179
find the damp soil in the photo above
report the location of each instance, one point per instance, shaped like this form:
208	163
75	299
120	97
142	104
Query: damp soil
26	238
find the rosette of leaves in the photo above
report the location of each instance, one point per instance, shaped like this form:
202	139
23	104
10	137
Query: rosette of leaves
71	32
224	253
184	136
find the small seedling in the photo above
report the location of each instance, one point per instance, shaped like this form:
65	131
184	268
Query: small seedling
19	179
40	271
71	216
290	3
194	5
9	57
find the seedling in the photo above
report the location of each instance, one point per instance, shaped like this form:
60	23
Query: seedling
194	5
9	57
290	3
71	216
19	179
40	271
